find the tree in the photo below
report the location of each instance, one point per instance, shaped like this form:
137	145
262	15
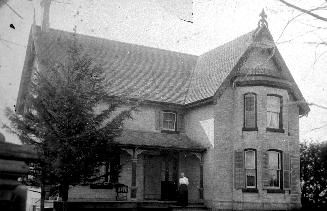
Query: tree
71	135
317	13
312	11
313	175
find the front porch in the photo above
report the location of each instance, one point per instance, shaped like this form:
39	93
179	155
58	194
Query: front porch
151	169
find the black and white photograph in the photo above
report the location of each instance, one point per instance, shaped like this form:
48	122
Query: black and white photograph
176	105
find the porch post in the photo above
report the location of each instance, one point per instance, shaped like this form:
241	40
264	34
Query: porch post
133	185
134	153
201	177
200	157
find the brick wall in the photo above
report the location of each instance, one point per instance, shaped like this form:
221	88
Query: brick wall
229	137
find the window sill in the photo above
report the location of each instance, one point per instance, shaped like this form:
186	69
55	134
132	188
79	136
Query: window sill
170	131
249	129
275	191
250	190
275	130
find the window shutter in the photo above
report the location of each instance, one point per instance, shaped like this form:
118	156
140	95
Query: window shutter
158	119
295	173
265	170
249	111
180	122
286	171
239	170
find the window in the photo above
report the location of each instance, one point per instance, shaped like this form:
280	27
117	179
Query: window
250	111
250	168
274	168
274	112
107	172
169	121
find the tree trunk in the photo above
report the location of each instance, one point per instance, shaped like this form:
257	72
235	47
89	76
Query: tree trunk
64	191
64	195
42	197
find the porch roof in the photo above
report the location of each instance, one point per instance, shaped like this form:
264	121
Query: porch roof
156	140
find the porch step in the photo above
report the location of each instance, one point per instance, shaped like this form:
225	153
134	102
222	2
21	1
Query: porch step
190	207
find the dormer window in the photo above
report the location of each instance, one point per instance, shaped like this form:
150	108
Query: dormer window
250	111
274	113
169	121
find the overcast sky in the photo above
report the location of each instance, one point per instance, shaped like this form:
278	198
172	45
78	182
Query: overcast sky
159	23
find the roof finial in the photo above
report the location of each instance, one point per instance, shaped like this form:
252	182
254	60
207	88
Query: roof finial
263	21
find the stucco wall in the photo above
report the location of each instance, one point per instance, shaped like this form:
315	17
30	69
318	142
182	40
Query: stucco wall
199	126
190	165
143	119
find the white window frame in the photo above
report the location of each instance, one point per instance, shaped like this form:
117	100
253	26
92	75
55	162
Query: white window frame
253	169
279	169
169	112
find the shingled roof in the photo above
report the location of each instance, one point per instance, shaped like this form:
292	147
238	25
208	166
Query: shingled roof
154	140
213	67
138	71
149	73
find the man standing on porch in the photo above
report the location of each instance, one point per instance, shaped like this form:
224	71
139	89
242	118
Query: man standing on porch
183	192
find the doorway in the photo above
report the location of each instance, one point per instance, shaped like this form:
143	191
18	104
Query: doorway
161	176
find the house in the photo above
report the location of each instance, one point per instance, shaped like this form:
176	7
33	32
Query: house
228	119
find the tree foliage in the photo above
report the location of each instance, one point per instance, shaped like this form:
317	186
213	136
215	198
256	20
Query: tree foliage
62	119
314	175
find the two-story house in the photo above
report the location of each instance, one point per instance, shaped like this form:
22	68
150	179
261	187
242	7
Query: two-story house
228	119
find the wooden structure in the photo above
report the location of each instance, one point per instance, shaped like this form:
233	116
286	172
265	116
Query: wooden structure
12	166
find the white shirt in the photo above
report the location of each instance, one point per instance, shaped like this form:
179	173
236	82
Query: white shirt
183	180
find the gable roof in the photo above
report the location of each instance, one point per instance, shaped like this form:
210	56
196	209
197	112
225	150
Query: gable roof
152	74
213	67
134	70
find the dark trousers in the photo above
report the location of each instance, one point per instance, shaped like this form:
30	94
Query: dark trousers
183	195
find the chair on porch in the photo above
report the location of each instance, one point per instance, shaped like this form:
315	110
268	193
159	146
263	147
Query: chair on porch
121	192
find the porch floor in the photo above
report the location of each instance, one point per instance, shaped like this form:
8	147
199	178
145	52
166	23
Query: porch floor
127	205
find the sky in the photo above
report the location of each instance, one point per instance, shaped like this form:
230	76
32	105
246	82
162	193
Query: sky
161	24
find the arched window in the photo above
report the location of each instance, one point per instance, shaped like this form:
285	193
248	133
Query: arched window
250	111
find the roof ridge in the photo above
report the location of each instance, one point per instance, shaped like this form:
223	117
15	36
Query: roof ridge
229	42
110	40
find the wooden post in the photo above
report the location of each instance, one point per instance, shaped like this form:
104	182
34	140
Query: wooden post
200	157
133	183
201	177
134	153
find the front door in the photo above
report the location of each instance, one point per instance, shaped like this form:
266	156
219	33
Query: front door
152	177
169	180
161	176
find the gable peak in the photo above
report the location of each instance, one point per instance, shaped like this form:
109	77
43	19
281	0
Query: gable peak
263	23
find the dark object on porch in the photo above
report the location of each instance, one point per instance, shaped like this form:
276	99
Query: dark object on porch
168	191
121	192
183	195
